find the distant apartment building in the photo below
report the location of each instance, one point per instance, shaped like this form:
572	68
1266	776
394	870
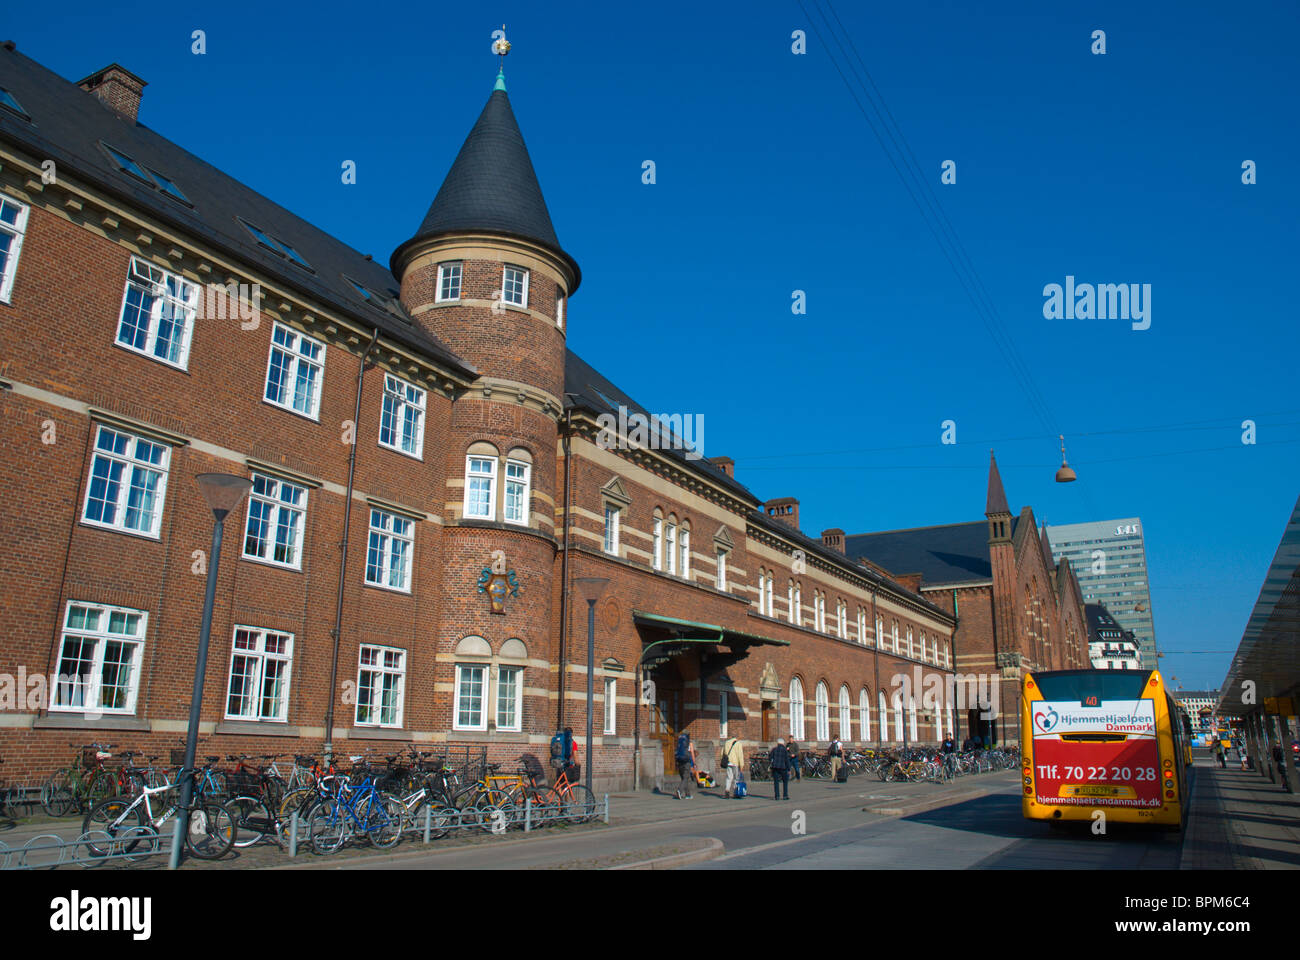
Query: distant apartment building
1110	646
1109	559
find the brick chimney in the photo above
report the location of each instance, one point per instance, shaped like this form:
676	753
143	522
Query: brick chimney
725	464
785	509
834	538
118	88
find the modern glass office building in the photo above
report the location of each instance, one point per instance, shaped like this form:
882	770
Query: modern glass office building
1109	560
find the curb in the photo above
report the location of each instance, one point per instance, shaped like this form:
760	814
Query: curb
672	861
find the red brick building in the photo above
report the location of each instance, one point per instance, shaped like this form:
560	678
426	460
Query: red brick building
1015	609
434	474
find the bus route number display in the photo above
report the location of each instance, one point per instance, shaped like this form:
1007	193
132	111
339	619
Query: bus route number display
1120	768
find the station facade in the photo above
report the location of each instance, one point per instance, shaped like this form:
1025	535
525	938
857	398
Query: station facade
437	490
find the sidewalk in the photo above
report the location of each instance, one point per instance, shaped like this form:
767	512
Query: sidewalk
1240	821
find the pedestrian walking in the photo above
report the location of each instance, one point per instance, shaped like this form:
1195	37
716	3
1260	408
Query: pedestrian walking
1279	757
835	751
733	761
1218	753
795	760
685	757
780	757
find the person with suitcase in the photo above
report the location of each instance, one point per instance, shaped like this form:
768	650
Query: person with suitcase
836	753
733	761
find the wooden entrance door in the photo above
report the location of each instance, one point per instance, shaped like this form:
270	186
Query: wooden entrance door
665	723
770	724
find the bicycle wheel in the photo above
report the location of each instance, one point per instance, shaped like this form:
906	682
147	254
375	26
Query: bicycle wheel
113	816
328	826
210	832
253	820
497	812
102	786
383	819
578	804
440	817
57	796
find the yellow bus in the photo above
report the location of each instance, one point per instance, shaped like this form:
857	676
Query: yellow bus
1106	740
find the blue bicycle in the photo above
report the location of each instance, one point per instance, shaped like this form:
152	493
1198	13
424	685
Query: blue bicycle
356	808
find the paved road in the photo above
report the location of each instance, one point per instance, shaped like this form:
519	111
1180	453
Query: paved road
986	832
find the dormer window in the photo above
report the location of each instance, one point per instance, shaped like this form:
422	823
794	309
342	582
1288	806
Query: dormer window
8	100
149	177
128	165
274	244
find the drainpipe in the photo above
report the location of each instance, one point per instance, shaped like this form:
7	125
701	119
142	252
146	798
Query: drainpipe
564	568
336	633
875	661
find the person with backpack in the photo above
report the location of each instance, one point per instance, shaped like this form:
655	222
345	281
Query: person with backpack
780	757
836	753
733	761
685	757
564	754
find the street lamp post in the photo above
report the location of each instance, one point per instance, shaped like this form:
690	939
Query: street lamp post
223	493
591	588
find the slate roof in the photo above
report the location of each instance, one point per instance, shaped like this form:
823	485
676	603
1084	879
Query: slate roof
950	553
68	125
492	186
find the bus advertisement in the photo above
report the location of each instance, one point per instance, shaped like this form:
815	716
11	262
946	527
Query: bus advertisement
1102	739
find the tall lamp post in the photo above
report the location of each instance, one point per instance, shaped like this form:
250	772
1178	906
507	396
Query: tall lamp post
591	588
223	492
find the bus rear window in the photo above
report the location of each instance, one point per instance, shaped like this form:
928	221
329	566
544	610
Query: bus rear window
1091	687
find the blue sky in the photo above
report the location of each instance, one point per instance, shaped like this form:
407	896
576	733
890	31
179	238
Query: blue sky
1118	168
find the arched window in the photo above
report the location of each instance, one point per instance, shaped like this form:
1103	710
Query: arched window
823	711
862	626
846	714
911	650
880	629
842	619
798	604
771	581
924	652
657	539
896	640
518	490
789	600
686	552
670	543
883	706
796	708
480	482
864	715
897	705
911	718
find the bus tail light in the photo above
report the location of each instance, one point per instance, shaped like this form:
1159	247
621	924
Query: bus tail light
1029	791
1169	794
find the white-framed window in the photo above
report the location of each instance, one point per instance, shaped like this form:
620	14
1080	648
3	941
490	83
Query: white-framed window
864	716
911	650
820	612
13	227
128	482
276	511
722	569
401	420
480	487
911	719
510	698
381	686
924	652
260	662
657	541
723	714
514	286
846	714
896	636
559	310
158	310
796	708
388	554
686	556
842	619
518	491
670	545
798	604
880	631
468	710
294	371
611	528
883	719
449	275
611	706
823	711
789	600
100	655
862	626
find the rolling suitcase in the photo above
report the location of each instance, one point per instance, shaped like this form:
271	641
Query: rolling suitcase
842	775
